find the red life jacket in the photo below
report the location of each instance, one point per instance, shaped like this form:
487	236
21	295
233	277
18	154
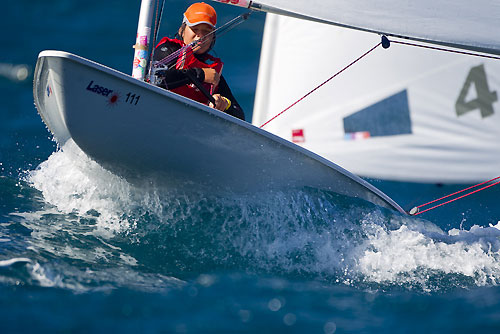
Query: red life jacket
187	60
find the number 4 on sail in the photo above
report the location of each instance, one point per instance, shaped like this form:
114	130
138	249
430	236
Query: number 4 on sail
484	99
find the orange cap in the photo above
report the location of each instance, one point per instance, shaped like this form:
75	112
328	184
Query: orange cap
199	13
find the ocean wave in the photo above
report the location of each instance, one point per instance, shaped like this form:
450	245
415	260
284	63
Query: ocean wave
305	232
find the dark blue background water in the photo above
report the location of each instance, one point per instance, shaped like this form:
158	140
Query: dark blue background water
84	251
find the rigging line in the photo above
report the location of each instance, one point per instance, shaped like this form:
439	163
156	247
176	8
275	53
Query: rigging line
155	33
448	50
225	28
221	31
177	53
157	22
415	211
232	24
303	97
458	192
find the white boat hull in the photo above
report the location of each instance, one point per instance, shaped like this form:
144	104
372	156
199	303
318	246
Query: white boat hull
137	130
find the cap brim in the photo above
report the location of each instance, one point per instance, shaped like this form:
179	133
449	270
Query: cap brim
189	24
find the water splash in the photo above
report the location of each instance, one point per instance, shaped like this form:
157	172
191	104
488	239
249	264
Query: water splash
307	232
413	254
75	184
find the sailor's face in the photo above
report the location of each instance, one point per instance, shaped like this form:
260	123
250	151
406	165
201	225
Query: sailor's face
197	32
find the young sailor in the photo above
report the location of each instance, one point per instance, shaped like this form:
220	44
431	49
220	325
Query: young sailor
194	66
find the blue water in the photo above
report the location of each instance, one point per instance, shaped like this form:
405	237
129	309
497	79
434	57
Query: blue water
81	250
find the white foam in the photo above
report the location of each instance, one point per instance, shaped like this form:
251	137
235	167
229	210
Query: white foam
44	278
285	232
9	262
368	245
74	183
410	254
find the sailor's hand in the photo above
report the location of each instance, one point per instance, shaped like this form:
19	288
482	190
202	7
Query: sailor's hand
221	103
211	76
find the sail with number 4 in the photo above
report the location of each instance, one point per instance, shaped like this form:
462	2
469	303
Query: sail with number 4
405	113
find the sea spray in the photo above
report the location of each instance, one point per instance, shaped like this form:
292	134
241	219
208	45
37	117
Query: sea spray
411	255
296	233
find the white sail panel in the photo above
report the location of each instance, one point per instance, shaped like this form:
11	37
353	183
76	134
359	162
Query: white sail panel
405	113
473	25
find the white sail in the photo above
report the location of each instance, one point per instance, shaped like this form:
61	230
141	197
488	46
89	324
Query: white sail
405	113
473	25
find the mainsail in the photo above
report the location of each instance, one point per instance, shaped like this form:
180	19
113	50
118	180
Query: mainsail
473	25
405	113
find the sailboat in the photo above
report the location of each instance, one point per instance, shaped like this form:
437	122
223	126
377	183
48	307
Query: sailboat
116	120
415	114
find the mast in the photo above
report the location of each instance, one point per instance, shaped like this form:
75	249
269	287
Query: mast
142	40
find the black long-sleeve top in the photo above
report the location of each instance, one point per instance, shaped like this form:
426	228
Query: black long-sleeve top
173	78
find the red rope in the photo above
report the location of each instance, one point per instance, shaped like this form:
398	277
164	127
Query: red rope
458	192
303	97
422	46
366	53
455	193
448	50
